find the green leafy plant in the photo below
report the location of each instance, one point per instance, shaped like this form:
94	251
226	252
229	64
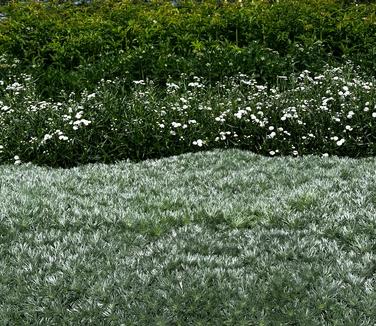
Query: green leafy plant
73	47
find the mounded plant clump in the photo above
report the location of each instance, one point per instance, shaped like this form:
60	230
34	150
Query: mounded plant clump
190	240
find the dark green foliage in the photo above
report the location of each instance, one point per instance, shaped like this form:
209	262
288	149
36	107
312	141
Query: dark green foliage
332	113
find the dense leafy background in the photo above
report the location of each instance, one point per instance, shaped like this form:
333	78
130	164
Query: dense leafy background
73	46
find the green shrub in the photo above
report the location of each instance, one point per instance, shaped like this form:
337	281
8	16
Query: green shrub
73	47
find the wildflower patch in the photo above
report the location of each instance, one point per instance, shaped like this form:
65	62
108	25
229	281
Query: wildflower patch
333	113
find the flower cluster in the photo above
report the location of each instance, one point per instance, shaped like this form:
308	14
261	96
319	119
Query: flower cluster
332	113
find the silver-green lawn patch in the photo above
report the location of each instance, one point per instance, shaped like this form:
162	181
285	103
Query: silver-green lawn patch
221	237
